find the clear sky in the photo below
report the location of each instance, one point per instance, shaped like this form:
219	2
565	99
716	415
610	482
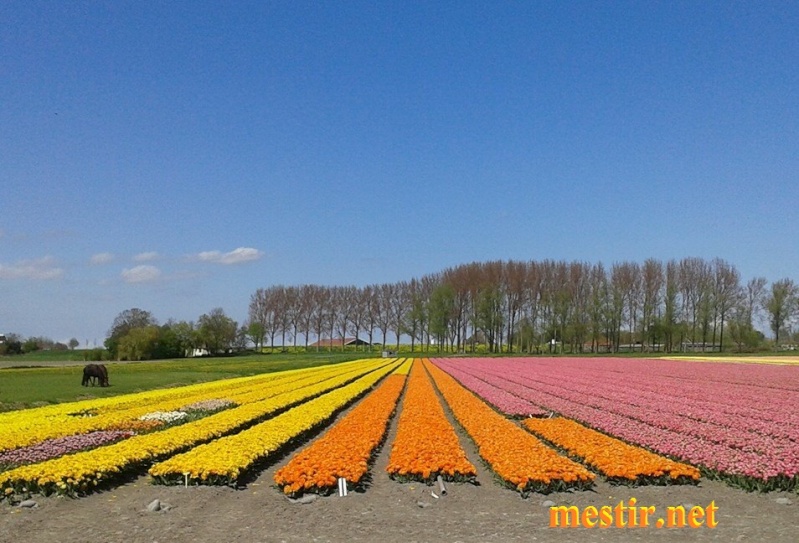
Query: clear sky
177	156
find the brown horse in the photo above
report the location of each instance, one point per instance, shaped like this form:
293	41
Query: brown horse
95	373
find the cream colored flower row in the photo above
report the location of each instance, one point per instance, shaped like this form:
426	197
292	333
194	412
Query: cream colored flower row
224	460
78	472
32	426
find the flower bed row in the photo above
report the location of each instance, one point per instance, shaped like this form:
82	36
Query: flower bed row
81	472
618	461
345	450
225	460
426	444
517	457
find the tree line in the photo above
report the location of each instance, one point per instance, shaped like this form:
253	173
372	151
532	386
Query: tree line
136	335
514	306
16	344
499	306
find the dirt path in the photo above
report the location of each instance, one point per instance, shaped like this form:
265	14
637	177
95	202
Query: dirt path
388	511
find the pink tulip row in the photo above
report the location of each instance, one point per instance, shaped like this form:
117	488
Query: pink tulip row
744	375
764	417
746	411
683	379
700	418
649	376
612	407
501	399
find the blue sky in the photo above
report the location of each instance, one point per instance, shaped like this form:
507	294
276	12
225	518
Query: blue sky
177	156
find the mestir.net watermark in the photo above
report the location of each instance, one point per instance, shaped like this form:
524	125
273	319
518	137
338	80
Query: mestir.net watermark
631	515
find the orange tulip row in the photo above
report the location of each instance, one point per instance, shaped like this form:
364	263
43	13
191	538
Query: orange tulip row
345	450
617	460
426	444
516	456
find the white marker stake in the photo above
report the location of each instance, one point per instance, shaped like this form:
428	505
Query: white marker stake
342	486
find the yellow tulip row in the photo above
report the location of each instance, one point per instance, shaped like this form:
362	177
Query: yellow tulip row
77	473
32	426
223	461
405	368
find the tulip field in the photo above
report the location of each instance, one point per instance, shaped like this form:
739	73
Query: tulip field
537	424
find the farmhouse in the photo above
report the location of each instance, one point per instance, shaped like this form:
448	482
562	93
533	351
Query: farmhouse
339	342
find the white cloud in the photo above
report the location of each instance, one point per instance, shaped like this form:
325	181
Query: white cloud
42	268
102	258
141	274
236	256
146	257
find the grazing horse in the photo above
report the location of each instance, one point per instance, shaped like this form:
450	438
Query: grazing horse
95	373
104	379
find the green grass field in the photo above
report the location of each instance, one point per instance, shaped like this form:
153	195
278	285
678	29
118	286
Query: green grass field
21	388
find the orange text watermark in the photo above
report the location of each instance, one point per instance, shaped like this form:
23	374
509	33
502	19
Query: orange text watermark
630	515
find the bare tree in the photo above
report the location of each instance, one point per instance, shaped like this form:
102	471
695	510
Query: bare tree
307	309
671	305
652	281
516	289
694	288
726	288
369	296
599	307
321	302
398	307
384	297
345	301
358	307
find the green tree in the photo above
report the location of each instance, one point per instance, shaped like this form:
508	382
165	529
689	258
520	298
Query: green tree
123	324
255	332
440	310
12	345
217	331
31	345
139	344
781	305
187	337
73	343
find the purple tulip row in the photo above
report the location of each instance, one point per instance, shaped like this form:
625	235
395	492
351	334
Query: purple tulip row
53	448
613	406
